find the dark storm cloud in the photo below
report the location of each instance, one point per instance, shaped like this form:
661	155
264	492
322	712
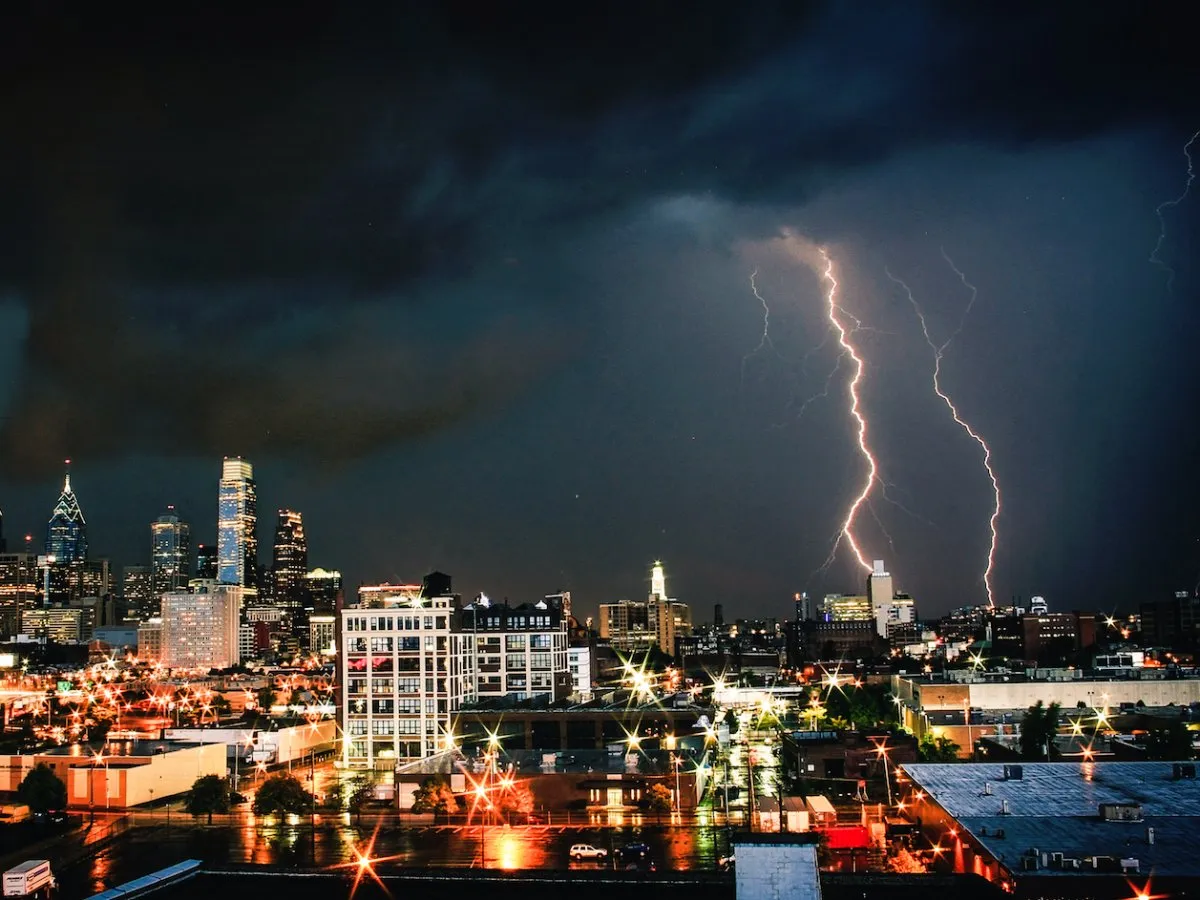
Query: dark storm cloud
294	232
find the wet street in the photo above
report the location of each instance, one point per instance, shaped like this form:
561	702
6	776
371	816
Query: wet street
148	848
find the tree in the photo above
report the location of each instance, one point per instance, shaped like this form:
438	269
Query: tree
516	800
265	698
658	798
42	790
1172	742
938	750
282	793
433	796
335	797
1039	725
362	792
209	794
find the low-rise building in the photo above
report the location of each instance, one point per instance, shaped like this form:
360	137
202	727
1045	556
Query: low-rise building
119	774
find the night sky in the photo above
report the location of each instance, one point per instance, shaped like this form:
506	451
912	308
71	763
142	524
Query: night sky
471	288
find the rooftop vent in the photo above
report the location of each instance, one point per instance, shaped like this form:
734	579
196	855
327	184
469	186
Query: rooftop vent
1121	812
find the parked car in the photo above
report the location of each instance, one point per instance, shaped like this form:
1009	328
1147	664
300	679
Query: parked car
587	851
633	856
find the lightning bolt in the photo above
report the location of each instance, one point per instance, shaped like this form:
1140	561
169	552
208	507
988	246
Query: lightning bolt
939	351
834	311
1171	204
765	341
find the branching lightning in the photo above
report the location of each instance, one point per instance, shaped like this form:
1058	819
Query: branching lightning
765	341
939	351
834	311
1171	204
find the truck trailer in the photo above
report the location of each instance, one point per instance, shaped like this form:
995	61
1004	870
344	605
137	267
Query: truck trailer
31	878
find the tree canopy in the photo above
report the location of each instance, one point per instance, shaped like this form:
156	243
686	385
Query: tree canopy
209	794
938	750
658	798
281	793
42	790
434	796
1039	725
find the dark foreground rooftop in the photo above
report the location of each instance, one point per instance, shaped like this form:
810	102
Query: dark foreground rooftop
1054	808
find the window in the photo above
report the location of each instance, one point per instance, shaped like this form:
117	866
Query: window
356	727
356	645
409	685
515	642
441	622
540	660
409	726
429	622
381	686
429	642
514	661
410	643
358	749
383	726
356	686
383	707
381	645
540	641
408	706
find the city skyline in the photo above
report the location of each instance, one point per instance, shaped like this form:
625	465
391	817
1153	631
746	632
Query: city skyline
511	299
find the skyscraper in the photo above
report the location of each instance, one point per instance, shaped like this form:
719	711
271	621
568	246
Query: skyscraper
138	594
237	521
290	558
3	542
206	561
66	532
170	552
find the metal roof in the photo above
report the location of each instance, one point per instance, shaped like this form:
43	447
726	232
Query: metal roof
1054	807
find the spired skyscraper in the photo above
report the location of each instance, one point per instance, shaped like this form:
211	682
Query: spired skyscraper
170	552
66	533
237	523
291	558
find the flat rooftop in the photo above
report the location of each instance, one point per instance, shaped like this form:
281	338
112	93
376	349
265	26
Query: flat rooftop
1054	807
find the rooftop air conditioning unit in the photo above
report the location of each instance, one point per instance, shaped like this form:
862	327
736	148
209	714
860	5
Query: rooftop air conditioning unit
1014	773
1129	865
1183	770
1121	812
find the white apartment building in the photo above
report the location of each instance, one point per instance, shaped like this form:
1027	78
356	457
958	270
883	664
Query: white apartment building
149	640
579	664
200	628
405	669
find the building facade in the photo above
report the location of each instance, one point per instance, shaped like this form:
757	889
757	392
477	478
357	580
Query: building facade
237	526
200	627
19	589
519	651
170	553
137	590
290	559
405	669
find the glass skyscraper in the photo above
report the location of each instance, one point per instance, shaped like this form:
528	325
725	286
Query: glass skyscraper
171	552
66	533
291	558
237	521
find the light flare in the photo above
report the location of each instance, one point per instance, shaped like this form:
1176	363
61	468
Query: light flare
939	352
1171	204
844	333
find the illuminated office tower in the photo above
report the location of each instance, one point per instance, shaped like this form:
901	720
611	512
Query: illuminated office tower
66	532
137	590
237	521
290	559
171	552
206	561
